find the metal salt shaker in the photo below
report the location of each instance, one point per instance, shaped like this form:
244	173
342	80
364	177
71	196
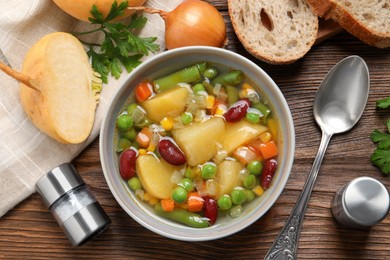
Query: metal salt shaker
69	200
361	203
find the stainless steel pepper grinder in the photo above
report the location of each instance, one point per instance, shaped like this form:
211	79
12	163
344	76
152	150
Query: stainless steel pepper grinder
71	203
361	203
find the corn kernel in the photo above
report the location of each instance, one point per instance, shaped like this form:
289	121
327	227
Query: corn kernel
220	110
150	199
210	101
265	137
151	148
167	123
258	190
142	151
247	86
243	93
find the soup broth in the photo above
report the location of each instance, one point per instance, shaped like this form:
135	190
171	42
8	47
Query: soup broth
197	144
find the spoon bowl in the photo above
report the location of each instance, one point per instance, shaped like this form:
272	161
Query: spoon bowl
338	106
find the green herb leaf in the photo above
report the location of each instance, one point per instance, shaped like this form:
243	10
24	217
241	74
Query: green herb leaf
116	10
100	63
382	139
116	68
381	159
131	62
383	103
121	45
137	21
97	16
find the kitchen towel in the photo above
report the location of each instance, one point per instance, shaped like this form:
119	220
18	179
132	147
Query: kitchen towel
26	153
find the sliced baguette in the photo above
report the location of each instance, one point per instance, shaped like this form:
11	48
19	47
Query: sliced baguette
277	32
368	20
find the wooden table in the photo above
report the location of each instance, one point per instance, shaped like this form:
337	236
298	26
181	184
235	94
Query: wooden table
29	231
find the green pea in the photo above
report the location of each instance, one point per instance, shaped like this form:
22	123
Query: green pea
253	118
238	196
131	108
134	183
130	134
189	173
187	184
235	211
250	181
198	88
124	122
123	144
208	171
255	167
249	195
210	73
179	194
224	202
186	118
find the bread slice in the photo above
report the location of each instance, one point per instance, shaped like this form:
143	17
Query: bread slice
275	31
368	20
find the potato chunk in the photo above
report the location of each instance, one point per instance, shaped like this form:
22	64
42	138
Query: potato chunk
171	102
199	140
155	175
240	133
228	177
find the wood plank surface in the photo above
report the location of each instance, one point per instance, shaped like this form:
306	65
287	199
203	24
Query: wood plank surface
30	232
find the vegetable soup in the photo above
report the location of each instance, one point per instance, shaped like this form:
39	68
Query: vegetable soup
197	144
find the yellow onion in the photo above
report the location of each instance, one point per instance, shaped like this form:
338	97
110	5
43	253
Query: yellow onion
81	9
193	22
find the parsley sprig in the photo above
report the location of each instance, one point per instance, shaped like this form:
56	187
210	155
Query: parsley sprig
381	155
121	47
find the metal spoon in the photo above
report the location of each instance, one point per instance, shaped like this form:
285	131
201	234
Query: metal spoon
338	106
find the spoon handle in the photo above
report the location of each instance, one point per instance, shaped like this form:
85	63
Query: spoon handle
286	243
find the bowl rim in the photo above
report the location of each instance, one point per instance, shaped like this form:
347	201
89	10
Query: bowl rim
179	231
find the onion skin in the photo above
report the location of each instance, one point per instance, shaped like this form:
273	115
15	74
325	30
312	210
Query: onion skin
194	22
80	9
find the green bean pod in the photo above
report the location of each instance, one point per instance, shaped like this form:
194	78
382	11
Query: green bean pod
182	216
232	78
265	110
186	75
232	93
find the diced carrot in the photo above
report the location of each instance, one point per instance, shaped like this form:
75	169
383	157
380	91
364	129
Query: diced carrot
143	138
255	146
143	91
168	204
269	150
195	202
245	154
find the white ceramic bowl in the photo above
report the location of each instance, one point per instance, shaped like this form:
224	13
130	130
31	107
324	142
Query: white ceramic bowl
170	61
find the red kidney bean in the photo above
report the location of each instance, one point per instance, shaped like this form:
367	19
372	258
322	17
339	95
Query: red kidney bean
268	173
127	164
237	111
171	153
210	208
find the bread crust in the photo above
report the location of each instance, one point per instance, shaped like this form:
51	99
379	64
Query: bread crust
329	9
265	54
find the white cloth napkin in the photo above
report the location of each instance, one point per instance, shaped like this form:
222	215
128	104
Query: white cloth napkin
25	153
